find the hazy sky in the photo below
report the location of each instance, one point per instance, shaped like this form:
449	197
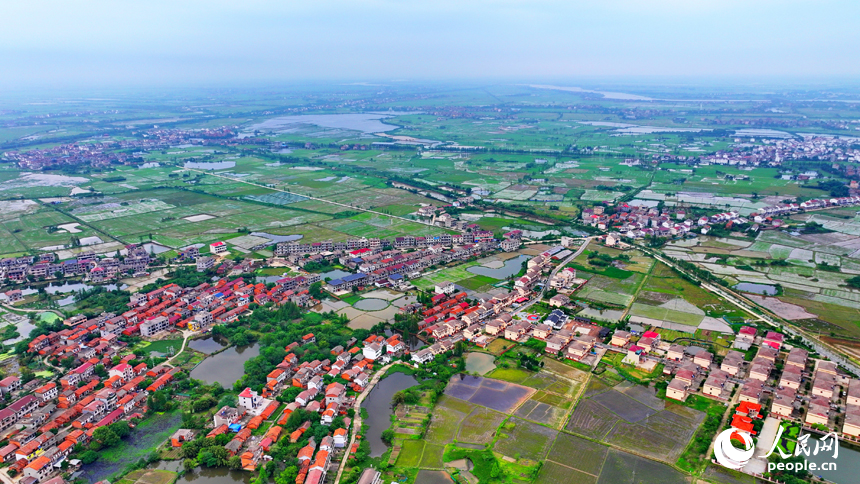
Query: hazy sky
177	41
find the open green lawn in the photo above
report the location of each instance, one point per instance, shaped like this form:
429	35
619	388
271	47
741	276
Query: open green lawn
162	346
513	375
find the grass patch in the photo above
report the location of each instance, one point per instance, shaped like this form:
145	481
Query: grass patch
432	457
512	375
152	476
694	457
410	453
477	282
163	346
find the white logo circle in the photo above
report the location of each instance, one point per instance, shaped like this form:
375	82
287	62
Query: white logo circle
730	456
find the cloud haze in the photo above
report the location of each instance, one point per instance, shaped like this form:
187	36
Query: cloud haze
188	41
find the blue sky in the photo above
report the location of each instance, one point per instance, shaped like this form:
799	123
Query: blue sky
188	41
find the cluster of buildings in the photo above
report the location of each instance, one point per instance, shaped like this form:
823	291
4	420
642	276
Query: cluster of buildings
163	309
389	267
406	242
696	370
772	152
437	215
92	267
770	215
288	289
101	153
451	319
798	388
47	419
347	370
640	221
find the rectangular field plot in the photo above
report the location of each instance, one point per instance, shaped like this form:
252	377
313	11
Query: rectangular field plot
665	314
565	370
550	399
643	440
642	394
591	420
581	454
552	473
718	473
605	296
410	454
494	394
432	457
624	406
595	387
623	468
564	387
512	375
277	198
539	381
671	425
461	391
445	422
525	440
541	413
480	426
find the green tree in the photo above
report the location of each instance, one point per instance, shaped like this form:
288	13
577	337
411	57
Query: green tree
89	457
106	436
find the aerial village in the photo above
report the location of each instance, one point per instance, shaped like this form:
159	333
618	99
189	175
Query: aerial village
45	419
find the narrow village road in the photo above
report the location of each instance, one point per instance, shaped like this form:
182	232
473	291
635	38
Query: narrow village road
356	422
13	308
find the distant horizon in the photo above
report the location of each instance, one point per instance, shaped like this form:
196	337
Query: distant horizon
45	44
762	86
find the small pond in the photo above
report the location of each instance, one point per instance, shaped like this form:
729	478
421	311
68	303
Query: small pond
847	462
277	238
334	274
511	267
220	165
763	289
208	345
366	122
203	475
371	304
379	411
226	367
68	288
153	431
480	363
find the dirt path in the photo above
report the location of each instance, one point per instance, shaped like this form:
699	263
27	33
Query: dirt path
22	310
186	336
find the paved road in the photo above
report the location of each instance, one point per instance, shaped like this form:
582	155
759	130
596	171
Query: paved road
205	172
356	422
759	314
